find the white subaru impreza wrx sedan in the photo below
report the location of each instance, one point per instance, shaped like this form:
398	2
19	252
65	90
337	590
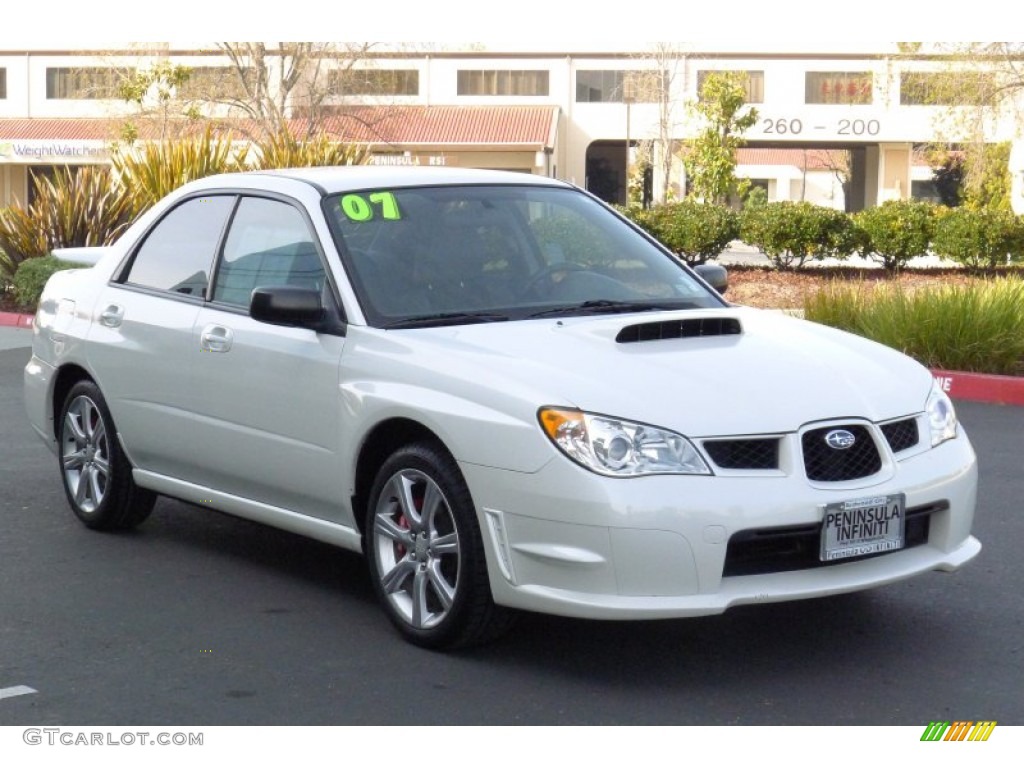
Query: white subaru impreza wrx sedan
501	391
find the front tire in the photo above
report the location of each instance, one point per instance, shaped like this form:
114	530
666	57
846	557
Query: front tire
425	552
96	474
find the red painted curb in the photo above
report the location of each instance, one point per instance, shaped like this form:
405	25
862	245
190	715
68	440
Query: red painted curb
982	387
16	319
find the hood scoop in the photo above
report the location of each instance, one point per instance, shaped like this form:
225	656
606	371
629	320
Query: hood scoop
679	329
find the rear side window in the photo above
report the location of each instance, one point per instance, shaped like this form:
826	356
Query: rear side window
177	254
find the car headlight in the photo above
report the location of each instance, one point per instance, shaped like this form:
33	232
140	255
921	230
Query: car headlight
620	448
941	416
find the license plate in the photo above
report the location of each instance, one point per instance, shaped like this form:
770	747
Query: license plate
863	526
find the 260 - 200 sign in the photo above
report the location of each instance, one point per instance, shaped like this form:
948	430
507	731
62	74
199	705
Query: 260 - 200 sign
845	127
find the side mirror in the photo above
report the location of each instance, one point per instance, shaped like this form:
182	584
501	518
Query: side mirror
714	275
287	305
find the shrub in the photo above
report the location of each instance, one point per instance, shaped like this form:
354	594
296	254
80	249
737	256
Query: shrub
21	238
694	231
965	328
75	208
979	238
155	169
31	277
896	232
790	233
284	150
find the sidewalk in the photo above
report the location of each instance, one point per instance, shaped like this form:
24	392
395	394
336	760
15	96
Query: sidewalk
740	254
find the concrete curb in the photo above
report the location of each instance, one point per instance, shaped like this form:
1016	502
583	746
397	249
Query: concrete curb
978	387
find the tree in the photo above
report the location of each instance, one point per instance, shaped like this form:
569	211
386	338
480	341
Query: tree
153	91
711	157
840	163
948	177
657	85
274	83
977	85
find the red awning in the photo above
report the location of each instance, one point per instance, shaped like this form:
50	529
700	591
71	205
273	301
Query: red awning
501	127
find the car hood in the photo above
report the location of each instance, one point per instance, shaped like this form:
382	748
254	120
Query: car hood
776	374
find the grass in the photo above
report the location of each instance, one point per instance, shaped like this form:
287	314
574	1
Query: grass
975	327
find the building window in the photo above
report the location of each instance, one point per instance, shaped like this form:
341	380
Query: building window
3	83
837	88
82	83
617	85
947	89
503	82
375	82
213	84
754	85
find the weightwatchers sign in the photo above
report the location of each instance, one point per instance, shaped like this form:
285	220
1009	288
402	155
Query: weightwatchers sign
53	151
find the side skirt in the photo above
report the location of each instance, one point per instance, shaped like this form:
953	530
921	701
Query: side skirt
311	527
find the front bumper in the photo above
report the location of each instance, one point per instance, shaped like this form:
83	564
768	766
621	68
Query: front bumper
566	541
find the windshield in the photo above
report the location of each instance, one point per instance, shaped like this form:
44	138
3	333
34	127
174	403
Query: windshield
455	254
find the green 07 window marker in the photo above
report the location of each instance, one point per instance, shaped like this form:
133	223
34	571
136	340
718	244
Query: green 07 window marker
358	208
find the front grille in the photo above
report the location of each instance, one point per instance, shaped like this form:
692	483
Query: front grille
901	434
793	548
826	464
757	453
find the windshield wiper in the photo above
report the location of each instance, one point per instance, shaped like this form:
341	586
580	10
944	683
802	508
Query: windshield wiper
606	306
447	318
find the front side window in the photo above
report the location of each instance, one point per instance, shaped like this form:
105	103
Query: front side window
177	254
269	244
503	82
434	255
837	88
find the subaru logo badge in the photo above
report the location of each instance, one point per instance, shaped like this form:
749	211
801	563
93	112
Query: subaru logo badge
840	439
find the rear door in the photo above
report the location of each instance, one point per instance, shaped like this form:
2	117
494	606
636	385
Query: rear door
140	345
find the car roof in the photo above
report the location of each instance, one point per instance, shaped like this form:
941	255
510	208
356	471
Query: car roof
332	179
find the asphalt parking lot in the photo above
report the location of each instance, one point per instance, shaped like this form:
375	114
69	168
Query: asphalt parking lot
200	618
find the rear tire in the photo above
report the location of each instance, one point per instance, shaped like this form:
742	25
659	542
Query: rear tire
96	474
425	552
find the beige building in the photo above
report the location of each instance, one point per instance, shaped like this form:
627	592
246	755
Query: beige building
836	125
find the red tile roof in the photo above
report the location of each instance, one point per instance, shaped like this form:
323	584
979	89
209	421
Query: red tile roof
816	159
511	127
56	129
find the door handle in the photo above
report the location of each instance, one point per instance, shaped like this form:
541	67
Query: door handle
215	338
112	316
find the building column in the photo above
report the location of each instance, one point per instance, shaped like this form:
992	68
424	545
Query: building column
872	159
894	171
